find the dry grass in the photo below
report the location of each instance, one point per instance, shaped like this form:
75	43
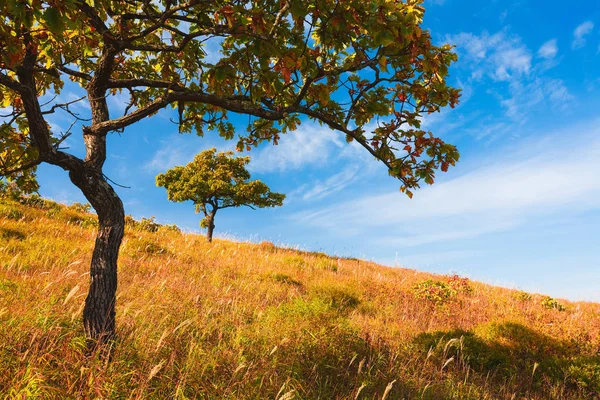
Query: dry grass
252	321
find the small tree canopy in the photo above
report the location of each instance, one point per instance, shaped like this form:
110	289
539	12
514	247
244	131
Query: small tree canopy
214	181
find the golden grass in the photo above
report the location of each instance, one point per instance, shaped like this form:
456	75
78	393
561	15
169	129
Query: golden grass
234	320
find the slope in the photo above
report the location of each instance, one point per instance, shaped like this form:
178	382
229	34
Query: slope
232	320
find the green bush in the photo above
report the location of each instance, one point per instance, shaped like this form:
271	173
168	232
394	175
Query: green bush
81	208
436	292
148	225
552	304
522	296
460	284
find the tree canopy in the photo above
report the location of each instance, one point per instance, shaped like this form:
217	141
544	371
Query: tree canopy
214	181
350	65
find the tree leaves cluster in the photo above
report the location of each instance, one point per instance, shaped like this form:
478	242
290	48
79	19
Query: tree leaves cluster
345	64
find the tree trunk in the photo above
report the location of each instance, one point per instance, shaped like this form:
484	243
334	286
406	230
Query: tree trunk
99	311
211	225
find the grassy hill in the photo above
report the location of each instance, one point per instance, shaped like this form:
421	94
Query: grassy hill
234	320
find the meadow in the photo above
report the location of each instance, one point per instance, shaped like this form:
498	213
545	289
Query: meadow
230	320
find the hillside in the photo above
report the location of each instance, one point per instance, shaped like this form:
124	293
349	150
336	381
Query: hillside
234	320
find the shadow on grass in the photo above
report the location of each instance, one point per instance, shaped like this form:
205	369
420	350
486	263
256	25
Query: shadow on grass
513	353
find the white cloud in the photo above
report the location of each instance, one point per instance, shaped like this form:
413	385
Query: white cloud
498	56
503	58
179	152
555	176
524	96
324	188
548	50
580	33
308	145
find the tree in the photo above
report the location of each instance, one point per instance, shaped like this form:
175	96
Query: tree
214	181
364	68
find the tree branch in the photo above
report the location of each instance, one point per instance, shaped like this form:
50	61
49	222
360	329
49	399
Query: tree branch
239	104
12	84
21	168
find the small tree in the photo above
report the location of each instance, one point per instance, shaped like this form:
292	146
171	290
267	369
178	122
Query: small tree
214	181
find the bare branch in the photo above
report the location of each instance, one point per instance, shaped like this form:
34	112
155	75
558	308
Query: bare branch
77	74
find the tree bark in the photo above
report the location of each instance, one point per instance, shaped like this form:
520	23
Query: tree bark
99	310
211	225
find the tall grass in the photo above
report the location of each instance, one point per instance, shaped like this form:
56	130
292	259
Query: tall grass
234	320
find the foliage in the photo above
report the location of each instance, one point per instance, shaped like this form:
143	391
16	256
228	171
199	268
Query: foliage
229	321
82	208
552	304
437	292
460	284
345	65
148	224
214	181
523	296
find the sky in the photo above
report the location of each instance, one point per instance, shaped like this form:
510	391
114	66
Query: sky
521	209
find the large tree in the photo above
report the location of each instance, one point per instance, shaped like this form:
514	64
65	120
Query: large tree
214	181
364	68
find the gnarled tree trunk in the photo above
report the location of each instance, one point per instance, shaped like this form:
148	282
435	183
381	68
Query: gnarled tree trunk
99	311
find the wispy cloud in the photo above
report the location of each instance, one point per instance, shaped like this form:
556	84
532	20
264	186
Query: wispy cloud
580	33
504	64
498	56
548	50
323	188
177	152
523	97
554	176
308	145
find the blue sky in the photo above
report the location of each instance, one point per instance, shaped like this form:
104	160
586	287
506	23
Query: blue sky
521	209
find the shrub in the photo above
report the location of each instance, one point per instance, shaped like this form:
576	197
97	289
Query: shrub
552	304
522	296
81	208
148	225
461	285
171	227
584	372
437	292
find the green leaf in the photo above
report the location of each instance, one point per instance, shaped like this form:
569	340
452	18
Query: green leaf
383	38
54	21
